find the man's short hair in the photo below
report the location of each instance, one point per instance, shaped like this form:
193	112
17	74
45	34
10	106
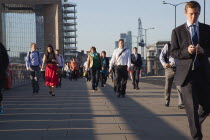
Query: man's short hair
33	44
94	48
121	40
193	5
135	48
57	50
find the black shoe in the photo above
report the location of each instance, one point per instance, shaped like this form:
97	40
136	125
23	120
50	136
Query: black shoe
123	96
137	88
167	104
50	92
180	106
118	95
34	91
134	87
37	91
53	94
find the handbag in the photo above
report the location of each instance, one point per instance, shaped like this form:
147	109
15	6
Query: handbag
59	72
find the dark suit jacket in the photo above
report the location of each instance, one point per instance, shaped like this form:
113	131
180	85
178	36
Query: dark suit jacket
180	40
137	63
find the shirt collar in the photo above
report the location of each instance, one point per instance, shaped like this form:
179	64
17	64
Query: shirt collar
189	24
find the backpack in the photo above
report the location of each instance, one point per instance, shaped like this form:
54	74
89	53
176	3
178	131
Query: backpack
168	53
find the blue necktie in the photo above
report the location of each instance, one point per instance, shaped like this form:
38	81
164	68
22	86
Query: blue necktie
195	42
194	35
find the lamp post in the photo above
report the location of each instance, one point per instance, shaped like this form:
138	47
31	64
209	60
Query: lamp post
175	5
204	11
145	53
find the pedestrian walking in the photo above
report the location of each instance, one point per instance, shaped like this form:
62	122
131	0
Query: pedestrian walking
74	66
190	44
4	63
136	64
121	60
51	77
60	66
93	62
169	64
33	64
104	68
87	72
66	70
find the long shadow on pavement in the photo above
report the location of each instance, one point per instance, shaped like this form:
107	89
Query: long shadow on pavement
66	116
145	124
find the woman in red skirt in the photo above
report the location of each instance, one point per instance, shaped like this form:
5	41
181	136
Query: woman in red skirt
51	77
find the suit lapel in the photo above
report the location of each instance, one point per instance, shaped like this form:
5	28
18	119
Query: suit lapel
187	33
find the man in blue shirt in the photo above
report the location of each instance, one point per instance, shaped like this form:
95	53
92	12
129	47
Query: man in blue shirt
33	64
169	64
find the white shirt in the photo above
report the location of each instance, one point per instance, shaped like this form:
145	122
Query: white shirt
190	28
124	59
60	60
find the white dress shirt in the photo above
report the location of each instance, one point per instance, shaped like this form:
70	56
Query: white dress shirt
124	59
190	28
136	56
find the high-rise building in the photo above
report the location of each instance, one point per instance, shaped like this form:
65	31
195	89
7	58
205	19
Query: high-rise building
70	35
127	37
43	22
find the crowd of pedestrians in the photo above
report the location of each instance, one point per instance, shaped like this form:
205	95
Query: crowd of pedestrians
185	59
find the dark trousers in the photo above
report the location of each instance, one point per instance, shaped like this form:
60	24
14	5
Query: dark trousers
74	74
2	85
196	99
103	79
34	75
60	77
135	76
121	79
95	74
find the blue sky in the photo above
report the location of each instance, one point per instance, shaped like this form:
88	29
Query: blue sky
100	22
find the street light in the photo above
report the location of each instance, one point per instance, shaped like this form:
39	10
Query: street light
145	53
175	5
204	11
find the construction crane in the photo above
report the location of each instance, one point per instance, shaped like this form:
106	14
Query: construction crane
140	36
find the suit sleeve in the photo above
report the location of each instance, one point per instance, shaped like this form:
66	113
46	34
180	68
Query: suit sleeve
131	59
176	51
140	60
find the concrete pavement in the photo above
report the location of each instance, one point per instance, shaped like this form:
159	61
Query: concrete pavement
77	113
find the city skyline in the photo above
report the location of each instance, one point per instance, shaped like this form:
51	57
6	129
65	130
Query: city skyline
101	22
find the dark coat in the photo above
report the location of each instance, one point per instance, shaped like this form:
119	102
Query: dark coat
4	61
138	62
180	41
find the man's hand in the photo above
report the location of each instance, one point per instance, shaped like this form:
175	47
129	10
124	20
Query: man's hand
166	65
191	49
199	49
132	64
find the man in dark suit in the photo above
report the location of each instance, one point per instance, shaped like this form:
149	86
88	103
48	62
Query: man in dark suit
136	64
190	44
